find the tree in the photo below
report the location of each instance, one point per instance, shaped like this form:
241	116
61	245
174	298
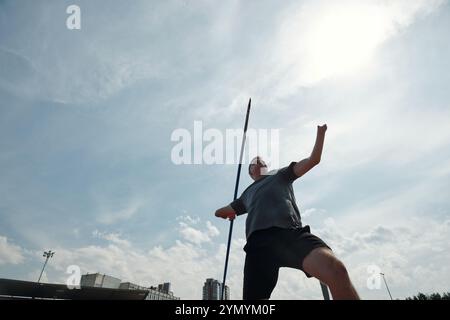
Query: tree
433	296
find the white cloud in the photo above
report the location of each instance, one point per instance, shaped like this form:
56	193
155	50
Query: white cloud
401	206
314	213
322	39
316	41
193	235
407	255
77	70
10	253
188	219
400	251
196	236
110	216
212	230
114	238
414	258
395	136
183	264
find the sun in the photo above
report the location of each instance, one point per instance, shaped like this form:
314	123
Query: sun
335	40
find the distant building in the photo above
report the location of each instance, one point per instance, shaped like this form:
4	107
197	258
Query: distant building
165	287
227	292
155	294
92	287
98	280
161	293
212	290
27	290
131	286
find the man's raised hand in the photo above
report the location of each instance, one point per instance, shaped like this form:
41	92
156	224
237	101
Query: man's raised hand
322	129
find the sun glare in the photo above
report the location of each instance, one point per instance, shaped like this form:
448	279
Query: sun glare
342	40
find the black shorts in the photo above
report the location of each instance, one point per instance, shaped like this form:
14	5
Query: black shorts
270	249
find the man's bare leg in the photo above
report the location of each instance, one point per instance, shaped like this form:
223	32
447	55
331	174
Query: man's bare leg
322	264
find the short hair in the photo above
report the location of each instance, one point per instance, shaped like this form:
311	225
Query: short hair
254	161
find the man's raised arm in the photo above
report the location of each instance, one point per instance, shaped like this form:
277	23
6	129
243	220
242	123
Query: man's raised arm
307	164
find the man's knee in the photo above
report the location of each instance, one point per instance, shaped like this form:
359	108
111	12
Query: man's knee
338	270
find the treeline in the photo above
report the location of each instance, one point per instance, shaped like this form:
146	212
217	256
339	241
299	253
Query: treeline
432	296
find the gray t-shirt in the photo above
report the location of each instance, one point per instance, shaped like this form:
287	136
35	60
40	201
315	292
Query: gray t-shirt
270	202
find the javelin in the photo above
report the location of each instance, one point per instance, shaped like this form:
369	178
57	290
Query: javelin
236	187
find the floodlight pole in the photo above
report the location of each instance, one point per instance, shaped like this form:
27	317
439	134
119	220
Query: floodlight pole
382	274
48	254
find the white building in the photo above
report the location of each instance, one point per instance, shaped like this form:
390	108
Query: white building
155	294
103	281
131	286
99	281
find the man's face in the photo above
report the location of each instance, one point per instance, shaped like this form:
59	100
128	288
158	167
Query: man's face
257	168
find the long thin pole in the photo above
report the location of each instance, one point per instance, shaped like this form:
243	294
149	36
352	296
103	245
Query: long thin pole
42	271
236	187
48	254
386	286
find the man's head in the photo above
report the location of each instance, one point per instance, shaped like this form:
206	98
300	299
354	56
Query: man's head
257	168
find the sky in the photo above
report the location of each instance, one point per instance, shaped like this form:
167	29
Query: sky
86	118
